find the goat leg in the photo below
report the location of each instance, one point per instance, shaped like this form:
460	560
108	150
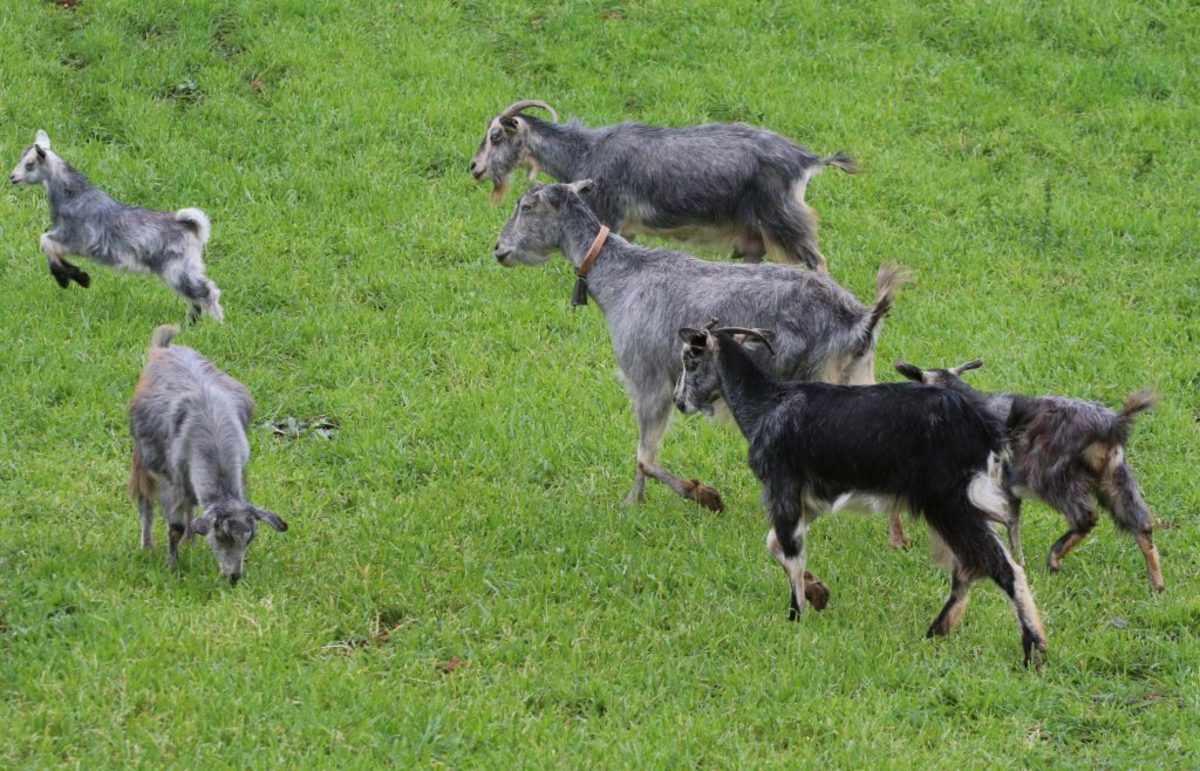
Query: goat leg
691	489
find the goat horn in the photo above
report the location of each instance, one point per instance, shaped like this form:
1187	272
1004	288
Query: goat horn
758	334
973	364
711	323
513	109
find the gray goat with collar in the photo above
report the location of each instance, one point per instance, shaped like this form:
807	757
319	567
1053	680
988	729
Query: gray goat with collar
723	183
822	331
91	223
189	422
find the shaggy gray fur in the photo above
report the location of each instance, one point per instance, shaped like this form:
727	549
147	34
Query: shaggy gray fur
646	295
725	183
1068	453
189	422
90	223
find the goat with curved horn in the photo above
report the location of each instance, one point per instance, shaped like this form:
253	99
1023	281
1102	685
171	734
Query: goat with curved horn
517	107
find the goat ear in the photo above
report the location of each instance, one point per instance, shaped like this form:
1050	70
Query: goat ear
202	525
972	364
688	334
910	371
583	186
42	140
41	152
509	125
271	518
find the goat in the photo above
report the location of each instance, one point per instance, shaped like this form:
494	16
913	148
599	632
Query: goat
90	223
1068	453
718	182
189	422
815	445
647	294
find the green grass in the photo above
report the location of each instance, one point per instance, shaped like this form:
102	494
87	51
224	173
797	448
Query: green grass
1036	165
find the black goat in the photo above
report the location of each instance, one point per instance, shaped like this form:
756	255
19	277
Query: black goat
1069	453
813	446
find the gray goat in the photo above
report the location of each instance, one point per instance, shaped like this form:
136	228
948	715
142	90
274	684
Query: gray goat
823	332
90	223
724	183
1069	453
189	422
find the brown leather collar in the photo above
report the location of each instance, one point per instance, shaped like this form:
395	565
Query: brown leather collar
593	252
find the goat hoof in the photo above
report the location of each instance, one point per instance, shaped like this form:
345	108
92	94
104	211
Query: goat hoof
816	593
1052	563
63	279
83	279
708	497
1033	655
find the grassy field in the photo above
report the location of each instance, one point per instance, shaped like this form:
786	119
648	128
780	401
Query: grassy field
461	585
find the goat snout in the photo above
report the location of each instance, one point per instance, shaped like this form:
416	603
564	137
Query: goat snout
502	253
476	170
12	179
234	578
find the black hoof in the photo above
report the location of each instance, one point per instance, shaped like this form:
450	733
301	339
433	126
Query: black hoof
82	278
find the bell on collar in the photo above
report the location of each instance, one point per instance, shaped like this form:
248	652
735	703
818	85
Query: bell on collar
579	296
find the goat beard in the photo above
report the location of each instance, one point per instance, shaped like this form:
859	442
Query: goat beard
500	187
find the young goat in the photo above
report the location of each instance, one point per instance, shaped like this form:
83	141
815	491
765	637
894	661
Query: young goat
90	223
1069	453
824	333
813	446
189	422
725	183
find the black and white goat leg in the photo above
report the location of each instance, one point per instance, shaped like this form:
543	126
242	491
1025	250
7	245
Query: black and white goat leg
653	418
64	272
146	514
811	589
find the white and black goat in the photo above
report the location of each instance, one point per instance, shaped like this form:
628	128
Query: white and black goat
813	446
1068	453
189	422
730	184
90	223
824	332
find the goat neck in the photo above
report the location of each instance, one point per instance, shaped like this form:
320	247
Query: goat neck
558	148
63	185
748	390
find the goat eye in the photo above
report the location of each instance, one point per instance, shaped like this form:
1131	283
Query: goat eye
496	135
29	166
526	207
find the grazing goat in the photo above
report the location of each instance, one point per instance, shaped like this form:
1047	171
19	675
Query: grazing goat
813	446
1068	453
647	294
189	422
90	223
725	183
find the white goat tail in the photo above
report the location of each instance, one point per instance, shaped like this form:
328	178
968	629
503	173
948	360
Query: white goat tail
197	221
985	494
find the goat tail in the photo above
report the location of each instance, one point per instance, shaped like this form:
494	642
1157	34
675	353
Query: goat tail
141	484
195	221
163	336
1137	402
887	283
985	495
843	161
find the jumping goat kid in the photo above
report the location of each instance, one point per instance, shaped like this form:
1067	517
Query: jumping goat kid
189	422
646	295
724	183
813	446
1068	453
90	223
